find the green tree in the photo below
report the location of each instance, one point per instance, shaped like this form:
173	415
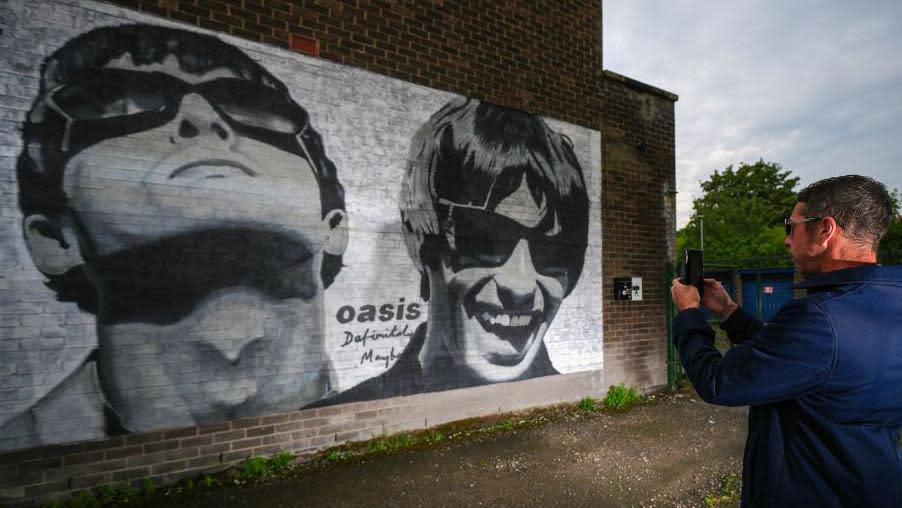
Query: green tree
890	252
743	212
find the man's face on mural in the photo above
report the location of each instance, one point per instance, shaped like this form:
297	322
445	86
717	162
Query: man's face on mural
204	235
501	281
211	163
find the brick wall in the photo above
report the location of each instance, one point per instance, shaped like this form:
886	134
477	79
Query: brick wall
638	226
170	455
543	57
544	61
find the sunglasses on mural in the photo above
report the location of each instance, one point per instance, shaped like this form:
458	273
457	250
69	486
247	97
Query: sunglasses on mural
789	224
116	103
478	238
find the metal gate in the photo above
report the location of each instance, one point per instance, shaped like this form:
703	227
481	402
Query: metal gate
765	290
760	291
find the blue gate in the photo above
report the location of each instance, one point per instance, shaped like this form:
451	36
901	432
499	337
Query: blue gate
764	291
726	277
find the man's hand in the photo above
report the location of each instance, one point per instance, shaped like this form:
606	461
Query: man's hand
685	296
717	300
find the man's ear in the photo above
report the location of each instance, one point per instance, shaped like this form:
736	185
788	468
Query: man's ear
336	222
828	230
52	244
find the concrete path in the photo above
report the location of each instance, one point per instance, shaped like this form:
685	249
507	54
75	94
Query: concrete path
672	452
669	453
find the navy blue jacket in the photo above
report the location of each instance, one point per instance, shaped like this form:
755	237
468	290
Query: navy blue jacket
824	382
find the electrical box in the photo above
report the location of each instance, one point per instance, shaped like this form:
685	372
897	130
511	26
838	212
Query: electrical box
628	288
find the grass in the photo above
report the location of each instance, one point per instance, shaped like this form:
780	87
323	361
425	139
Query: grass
150	487
260	469
255	469
588	405
381	445
105	495
621	398
728	494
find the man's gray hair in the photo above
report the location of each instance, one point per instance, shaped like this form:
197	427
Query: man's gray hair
860	205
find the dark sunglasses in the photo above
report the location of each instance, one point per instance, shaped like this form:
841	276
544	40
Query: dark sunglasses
479	238
789	224
117	102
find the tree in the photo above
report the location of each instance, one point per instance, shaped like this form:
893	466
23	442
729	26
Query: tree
890	252
743	212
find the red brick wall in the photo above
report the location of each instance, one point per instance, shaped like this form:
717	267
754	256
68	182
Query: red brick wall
542	57
547	61
637	221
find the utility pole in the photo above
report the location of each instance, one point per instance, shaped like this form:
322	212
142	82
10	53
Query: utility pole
701	230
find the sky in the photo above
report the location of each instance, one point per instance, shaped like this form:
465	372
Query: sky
815	85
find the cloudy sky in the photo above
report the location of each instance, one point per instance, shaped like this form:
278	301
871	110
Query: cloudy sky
815	85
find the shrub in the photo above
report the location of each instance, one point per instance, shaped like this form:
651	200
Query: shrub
621	398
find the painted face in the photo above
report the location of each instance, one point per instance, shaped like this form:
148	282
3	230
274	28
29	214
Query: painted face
502	280
201	163
201	226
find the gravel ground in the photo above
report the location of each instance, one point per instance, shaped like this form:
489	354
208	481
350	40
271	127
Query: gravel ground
671	452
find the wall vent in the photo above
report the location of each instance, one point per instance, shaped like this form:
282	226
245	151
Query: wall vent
305	45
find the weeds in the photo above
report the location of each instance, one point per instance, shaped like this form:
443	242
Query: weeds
728	493
620	398
258	468
282	461
504	426
253	468
126	493
588	405
149	487
208	482
85	500
386	444
106	494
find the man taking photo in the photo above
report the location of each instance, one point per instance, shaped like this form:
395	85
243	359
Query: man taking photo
823	378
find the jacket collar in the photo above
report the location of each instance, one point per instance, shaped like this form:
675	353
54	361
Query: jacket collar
868	274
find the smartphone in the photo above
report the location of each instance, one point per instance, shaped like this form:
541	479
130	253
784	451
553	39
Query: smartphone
693	271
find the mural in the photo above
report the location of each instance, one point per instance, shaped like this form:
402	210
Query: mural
495	217
176	247
209	300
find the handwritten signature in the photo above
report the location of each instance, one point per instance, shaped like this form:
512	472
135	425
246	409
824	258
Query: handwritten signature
369	334
374	358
